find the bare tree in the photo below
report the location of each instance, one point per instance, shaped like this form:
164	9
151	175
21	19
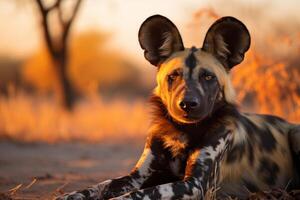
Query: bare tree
57	45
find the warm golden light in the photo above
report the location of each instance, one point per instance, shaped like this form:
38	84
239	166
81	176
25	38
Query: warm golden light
28	119
267	82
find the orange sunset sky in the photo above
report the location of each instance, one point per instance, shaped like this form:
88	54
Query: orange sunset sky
20	33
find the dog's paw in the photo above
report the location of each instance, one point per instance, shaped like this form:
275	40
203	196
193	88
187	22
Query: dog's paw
72	196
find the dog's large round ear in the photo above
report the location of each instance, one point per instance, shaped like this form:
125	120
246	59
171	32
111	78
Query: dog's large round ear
159	38
227	39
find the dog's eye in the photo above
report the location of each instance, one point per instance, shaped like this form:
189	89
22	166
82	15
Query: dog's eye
208	77
172	77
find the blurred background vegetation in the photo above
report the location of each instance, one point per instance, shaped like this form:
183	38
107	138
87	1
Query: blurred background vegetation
73	69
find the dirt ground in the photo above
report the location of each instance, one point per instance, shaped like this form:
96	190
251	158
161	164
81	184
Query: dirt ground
42	171
45	169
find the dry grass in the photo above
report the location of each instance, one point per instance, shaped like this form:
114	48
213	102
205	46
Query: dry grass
273	194
28	119
12	193
4	196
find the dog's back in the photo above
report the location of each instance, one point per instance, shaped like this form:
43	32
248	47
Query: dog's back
261	156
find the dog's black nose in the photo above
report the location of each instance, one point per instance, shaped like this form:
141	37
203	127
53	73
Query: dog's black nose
189	104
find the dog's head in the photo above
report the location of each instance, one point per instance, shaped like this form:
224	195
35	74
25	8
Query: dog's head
193	81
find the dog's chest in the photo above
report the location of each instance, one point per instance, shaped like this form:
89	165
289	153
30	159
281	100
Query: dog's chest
177	166
177	148
179	151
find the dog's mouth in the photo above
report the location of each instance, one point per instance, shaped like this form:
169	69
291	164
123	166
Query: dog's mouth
192	118
186	118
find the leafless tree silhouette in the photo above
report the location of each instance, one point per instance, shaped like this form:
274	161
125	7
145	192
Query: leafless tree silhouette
57	44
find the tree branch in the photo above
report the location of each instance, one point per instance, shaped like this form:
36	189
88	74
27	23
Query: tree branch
54	5
41	7
69	22
45	10
46	30
60	15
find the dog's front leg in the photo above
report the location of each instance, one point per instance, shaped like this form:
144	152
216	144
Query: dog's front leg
201	174
118	186
188	189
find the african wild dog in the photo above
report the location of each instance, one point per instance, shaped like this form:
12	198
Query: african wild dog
198	139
